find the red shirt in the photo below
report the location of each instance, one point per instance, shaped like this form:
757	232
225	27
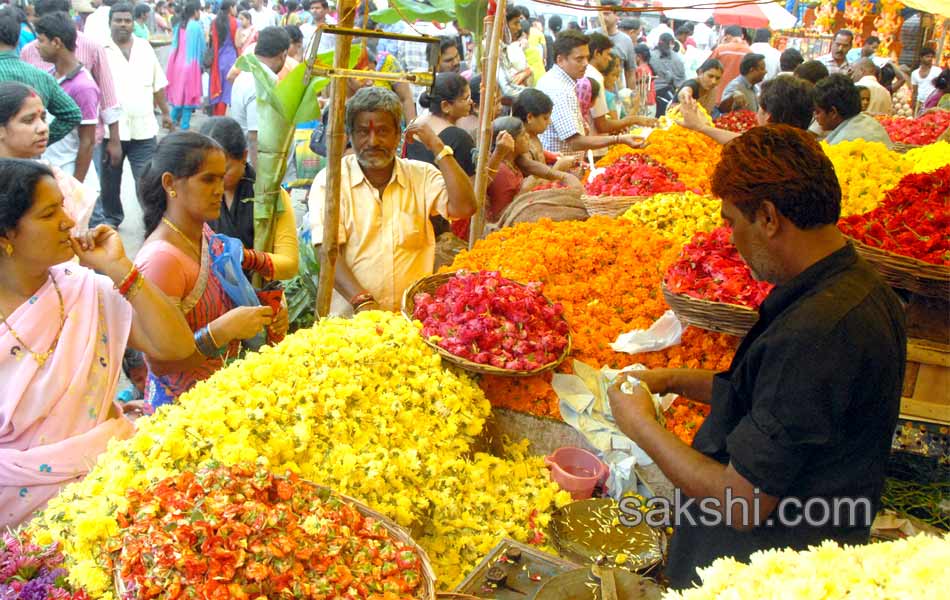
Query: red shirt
730	55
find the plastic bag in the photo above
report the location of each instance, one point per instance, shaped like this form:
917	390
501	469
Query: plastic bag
226	258
665	332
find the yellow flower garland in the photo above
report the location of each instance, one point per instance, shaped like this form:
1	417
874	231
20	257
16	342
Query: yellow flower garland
362	406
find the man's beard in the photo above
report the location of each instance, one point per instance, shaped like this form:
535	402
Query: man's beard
762	265
380	158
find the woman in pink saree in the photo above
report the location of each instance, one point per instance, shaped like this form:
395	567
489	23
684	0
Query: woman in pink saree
63	330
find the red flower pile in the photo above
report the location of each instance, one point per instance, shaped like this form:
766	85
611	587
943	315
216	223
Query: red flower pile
236	532
635	175
920	131
490	320
913	219
739	121
710	268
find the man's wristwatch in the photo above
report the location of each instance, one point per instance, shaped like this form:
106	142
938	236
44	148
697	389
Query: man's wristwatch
446	151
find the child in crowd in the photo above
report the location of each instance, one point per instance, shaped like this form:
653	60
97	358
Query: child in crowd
533	107
865	94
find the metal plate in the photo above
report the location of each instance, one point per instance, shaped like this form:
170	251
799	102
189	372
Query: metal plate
581	585
588	530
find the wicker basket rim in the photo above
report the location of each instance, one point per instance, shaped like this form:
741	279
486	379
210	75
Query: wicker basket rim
427	591
437	279
710	303
907	260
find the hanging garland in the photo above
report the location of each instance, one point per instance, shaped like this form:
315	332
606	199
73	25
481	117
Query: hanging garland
887	25
825	16
855	11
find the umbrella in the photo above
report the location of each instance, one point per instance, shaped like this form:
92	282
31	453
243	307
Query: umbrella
753	14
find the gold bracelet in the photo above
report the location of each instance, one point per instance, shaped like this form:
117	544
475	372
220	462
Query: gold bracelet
211	336
135	288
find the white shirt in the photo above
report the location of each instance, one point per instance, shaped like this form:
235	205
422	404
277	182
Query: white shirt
653	38
772	56
244	101
599	108
880	98
264	17
137	79
925	85
97	26
704	36
693	58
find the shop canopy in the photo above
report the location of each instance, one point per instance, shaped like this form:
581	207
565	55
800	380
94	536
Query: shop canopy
937	7
746	13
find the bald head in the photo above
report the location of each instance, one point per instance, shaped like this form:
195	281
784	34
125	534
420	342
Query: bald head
863	68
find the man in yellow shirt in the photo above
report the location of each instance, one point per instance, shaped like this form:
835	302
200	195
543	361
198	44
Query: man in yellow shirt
386	239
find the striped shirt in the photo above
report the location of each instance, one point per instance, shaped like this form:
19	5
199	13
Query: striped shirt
566	118
65	112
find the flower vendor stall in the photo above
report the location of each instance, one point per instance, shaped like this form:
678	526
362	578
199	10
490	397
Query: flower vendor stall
388	455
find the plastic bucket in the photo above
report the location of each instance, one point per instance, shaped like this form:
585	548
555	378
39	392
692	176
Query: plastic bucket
576	470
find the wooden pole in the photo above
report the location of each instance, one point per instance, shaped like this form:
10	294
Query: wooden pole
336	138
486	116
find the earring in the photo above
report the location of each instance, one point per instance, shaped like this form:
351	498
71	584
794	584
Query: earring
8	249
173	193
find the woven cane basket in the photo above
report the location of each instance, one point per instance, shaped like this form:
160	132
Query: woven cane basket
907	273
610	206
432	283
713	316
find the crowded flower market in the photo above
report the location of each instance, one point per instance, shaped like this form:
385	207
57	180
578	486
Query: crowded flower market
474	299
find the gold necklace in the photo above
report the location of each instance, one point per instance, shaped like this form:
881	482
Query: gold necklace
183	236
42	358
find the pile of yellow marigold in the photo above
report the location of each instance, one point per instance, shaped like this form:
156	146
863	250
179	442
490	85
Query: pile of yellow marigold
929	158
676	215
606	273
362	406
866	171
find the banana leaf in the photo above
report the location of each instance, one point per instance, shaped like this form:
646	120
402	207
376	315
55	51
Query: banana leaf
280	107
469	13
440	11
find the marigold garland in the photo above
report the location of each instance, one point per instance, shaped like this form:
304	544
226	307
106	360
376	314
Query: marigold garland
362	406
606	273
865	170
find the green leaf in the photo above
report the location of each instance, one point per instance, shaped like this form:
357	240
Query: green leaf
441	11
471	16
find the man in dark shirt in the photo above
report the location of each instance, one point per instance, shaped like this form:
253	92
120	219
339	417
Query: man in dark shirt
801	423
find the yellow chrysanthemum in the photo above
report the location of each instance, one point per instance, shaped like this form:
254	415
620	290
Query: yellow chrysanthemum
362	406
676	215
866	171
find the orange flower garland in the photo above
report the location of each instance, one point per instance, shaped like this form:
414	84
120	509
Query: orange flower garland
606	273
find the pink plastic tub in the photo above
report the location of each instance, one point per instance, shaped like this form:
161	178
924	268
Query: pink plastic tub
576	470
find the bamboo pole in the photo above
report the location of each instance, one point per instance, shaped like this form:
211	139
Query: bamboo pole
336	138
485	114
